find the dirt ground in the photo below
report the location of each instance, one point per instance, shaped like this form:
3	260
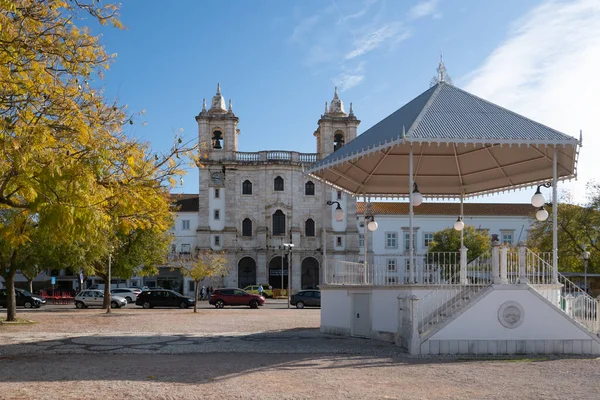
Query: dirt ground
255	354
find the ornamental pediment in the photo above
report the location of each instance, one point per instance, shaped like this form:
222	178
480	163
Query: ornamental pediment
278	205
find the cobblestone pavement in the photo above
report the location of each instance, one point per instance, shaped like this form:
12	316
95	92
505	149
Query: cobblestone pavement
251	354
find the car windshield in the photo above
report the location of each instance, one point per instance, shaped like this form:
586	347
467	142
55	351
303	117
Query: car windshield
25	292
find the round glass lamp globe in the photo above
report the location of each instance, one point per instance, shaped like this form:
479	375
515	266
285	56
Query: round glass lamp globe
417	199
339	214
459	225
541	215
372	226
538	200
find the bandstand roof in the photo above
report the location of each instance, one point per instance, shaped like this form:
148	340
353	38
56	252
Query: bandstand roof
462	145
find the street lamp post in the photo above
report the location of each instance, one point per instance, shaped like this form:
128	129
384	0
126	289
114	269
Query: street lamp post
339	215
586	256
288	247
108	283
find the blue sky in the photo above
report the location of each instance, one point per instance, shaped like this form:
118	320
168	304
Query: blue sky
279	61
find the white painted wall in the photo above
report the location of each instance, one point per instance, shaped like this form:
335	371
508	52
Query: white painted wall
216	204
182	236
542	321
335	308
433	223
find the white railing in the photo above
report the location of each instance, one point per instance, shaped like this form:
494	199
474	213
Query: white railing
513	270
537	269
479	271
579	305
280	155
339	272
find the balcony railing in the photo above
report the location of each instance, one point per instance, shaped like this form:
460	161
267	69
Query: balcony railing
275	155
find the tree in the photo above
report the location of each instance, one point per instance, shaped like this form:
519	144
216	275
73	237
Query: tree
578	231
67	166
203	265
448	240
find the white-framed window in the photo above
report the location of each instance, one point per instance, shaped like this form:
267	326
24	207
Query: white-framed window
339	195
173	248
338	241
185	224
391	240
427	238
217	214
185	248
391	264
217	240
407	270
406	244
391	280
507	237
361	240
217	193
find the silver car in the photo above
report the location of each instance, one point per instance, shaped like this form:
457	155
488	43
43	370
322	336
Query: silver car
89	298
126	293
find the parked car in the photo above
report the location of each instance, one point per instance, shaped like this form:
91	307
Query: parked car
306	298
163	298
89	298
127	293
136	290
35	296
235	297
267	290
22	299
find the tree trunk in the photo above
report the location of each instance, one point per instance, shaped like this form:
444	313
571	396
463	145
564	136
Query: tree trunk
196	296
30	285
11	301
106	303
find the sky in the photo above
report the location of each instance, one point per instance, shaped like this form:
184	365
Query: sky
279	61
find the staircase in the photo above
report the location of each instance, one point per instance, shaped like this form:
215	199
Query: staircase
434	309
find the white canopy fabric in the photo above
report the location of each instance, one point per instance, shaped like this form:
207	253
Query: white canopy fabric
462	145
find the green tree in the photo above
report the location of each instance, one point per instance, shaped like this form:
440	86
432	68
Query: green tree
205	264
578	231
448	240
67	166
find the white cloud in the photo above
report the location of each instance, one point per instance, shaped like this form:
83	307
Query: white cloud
304	27
547	70
424	9
375	38
349	78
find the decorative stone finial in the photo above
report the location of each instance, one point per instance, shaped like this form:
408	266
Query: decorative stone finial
351	112
203	104
326	110
337	106
230	106
217	105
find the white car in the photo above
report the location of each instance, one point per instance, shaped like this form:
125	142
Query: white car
89	298
129	294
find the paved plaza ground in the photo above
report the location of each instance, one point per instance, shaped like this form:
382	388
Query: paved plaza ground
270	353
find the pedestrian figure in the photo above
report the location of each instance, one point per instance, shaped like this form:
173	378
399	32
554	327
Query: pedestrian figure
260	290
202	293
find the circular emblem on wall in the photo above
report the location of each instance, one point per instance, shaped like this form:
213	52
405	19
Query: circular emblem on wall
511	314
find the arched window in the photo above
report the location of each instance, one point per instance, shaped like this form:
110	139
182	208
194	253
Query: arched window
279	223
217	137
247	187
309	188
309	227
278	184
338	140
247	227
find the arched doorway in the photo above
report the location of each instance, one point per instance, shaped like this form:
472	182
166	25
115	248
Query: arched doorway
275	276
310	273
246	272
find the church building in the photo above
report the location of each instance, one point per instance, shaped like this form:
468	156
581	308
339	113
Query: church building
251	204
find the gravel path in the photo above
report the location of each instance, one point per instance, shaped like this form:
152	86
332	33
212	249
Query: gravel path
250	354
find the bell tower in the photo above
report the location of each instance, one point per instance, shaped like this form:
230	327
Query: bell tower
217	128
336	127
